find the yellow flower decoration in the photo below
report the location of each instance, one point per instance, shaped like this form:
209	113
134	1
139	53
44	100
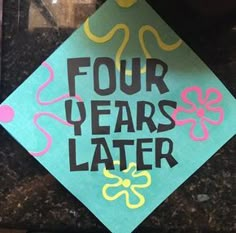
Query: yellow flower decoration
127	185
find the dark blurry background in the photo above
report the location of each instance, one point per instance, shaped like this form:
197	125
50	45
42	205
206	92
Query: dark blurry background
32	200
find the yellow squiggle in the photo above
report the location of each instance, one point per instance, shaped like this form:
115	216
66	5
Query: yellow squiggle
107	37
160	42
125	28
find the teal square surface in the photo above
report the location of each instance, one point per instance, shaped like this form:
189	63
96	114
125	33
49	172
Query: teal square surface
122	113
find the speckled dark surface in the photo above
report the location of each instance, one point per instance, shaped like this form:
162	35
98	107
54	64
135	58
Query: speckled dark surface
30	198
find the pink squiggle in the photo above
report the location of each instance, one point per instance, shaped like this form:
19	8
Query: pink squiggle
44	85
51	115
46	134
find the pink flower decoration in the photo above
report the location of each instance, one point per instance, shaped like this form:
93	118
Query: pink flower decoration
206	105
